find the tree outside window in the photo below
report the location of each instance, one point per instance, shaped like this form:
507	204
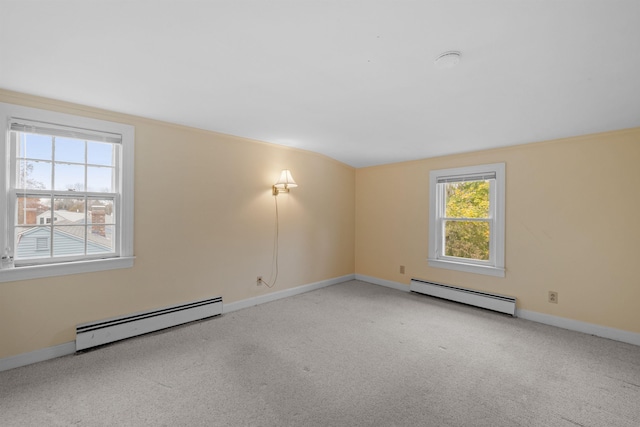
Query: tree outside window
466	219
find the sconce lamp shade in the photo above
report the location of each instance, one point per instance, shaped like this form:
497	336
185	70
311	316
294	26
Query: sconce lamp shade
284	183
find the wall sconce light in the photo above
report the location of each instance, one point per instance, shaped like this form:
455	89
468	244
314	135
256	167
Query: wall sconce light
284	183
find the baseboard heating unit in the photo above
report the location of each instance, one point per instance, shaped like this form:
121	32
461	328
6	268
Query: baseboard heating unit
495	302
118	328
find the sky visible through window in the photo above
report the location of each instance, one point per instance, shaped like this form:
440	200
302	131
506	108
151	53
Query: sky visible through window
37	165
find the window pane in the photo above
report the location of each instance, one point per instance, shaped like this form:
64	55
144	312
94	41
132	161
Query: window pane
32	210
100	211
100	179
67	192
33	146
68	211
33	175
69	177
100	153
101	231
100	239
467	239
68	240
69	150
467	199
30	241
42	243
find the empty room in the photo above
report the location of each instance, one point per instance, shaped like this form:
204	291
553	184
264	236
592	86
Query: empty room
320	213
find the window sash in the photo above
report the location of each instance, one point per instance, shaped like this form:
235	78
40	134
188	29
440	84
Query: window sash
14	193
50	224
83	126
441	219
437	178
441	248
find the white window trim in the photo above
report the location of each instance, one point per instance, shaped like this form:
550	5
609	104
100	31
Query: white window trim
126	257
497	266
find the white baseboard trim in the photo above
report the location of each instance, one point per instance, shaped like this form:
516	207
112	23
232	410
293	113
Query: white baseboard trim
547	319
70	347
387	283
37	356
560	322
578	326
274	296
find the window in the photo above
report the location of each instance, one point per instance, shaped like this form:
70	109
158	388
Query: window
68	193
466	219
42	243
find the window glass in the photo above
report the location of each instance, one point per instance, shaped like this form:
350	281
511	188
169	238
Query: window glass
68	177
100	179
68	196
42	243
466	219
32	146
30	209
467	239
467	199
99	153
78	224
26	242
33	175
69	150
68	240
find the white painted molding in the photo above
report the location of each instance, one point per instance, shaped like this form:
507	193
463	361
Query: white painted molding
547	319
387	283
37	356
560	322
70	347
64	268
250	302
578	326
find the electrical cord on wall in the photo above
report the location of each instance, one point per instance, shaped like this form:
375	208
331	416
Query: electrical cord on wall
274	259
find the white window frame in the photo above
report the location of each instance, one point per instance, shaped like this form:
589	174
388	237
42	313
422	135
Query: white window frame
125	256
495	266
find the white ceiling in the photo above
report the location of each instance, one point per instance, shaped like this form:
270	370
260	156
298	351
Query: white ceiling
354	80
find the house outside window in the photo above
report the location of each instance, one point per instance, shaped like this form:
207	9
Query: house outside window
42	243
68	193
466	219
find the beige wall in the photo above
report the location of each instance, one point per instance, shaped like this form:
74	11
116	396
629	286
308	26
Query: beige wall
204	226
572	226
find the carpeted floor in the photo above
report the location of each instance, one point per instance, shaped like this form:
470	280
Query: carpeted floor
352	354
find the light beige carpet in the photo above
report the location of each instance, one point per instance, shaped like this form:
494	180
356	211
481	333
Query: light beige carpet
352	354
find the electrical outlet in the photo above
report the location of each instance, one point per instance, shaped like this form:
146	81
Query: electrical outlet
402	269
553	297
259	281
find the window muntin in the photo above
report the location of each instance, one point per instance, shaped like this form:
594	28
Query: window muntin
467	219
56	179
28	188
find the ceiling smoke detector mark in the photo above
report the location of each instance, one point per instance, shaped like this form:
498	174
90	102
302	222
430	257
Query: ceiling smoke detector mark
448	59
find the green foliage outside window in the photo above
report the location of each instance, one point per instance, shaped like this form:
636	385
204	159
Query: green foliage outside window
467	238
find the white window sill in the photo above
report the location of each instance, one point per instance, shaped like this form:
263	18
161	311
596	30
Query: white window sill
63	269
469	268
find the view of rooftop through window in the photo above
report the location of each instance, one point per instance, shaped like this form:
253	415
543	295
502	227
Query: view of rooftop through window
66	191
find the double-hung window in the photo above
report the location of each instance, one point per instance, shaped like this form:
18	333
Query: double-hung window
466	222
67	193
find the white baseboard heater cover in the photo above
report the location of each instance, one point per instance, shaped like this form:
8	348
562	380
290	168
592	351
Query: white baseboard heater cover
118	328
495	302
